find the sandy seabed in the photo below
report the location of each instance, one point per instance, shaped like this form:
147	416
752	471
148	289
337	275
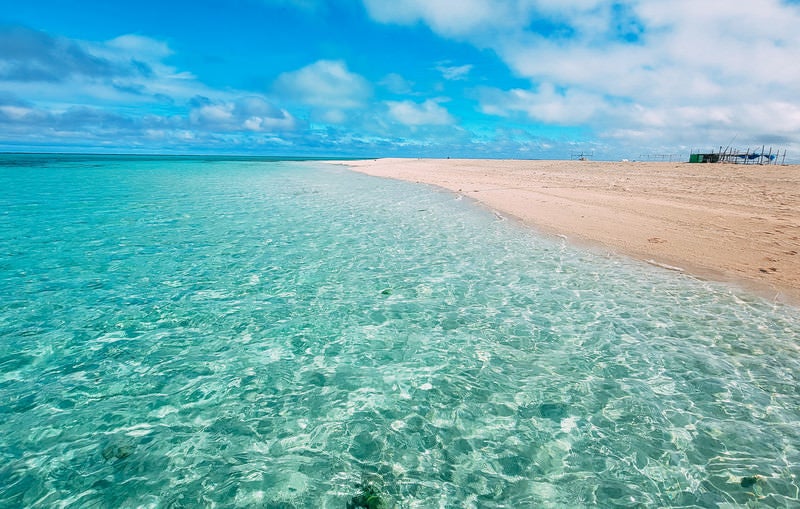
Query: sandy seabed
733	223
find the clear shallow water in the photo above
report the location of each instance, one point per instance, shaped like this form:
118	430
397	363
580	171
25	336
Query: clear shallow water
184	333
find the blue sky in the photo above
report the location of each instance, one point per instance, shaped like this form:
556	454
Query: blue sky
374	78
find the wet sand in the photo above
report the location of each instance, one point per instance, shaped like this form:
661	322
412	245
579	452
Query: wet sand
733	223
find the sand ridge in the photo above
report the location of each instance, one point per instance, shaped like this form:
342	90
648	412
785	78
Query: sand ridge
735	223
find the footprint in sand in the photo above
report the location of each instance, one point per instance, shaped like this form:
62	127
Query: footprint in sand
656	240
769	270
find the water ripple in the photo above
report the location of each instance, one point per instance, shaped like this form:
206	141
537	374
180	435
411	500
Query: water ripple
177	333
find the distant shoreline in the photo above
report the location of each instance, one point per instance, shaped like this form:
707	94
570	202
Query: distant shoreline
732	223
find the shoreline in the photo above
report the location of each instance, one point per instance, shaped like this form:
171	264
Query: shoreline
731	223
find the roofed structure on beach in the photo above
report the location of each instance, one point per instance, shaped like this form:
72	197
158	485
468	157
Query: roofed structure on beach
704	158
733	156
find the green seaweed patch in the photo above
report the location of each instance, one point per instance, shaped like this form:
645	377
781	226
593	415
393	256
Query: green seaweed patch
369	497
553	411
117	451
750	481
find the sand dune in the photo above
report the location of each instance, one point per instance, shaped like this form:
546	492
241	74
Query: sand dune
732	223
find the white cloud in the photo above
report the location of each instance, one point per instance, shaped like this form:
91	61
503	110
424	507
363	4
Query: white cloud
142	47
31	56
15	112
412	114
454	72
333	116
326	84
546	104
57	73
116	90
244	114
681	69
446	16
396	84
212	114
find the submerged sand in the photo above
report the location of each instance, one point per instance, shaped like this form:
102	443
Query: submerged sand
735	223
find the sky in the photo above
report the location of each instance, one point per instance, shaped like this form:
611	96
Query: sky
526	79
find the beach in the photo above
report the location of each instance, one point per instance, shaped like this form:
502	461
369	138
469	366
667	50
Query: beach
732	223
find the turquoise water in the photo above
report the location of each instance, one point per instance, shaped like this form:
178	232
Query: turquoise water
211	333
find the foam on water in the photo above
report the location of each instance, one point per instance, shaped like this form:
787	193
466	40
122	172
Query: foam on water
178	332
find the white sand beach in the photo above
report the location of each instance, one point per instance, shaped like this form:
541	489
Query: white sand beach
734	223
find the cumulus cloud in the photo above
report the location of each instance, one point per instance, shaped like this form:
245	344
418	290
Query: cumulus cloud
223	127
61	72
678	69
412	114
29	55
75	123
146	48
119	91
325	84
244	114
546	104
445	16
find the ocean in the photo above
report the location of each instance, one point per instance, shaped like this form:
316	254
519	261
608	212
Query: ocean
248	332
